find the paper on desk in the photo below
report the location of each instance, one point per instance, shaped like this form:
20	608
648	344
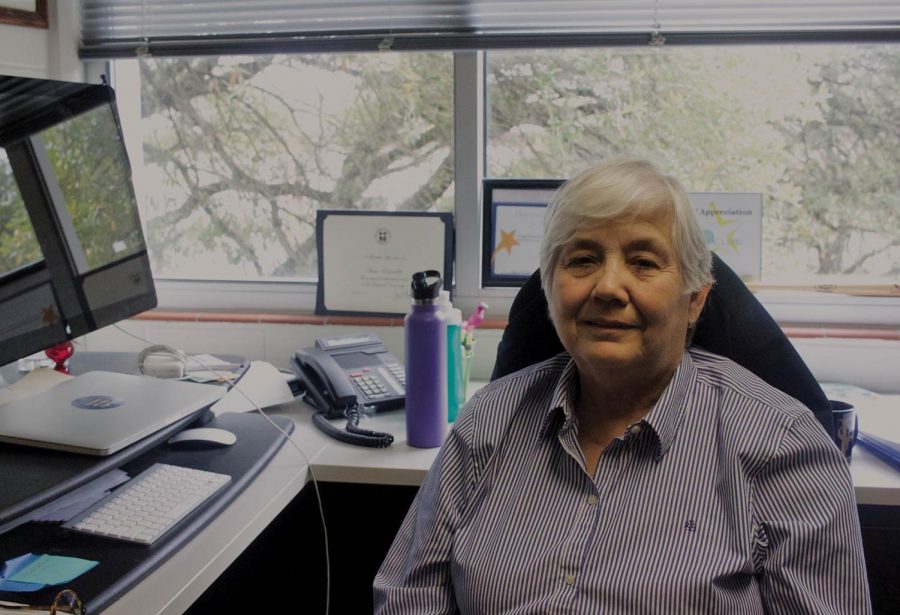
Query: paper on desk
17	608
35	381
262	383
205	368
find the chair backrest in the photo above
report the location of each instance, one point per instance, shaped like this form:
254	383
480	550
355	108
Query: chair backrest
733	324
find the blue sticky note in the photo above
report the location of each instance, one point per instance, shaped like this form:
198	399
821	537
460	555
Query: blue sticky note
52	570
10	568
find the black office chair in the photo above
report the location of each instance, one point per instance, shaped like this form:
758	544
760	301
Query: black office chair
733	324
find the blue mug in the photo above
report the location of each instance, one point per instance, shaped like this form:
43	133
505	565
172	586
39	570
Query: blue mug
846	426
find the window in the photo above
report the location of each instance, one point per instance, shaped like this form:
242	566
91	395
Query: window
815	128
240	151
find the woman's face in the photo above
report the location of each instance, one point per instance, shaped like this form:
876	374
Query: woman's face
617	297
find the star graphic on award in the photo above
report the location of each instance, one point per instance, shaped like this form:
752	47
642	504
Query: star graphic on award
720	219
732	227
507	242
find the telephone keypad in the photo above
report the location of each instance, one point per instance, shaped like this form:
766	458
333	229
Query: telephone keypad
398	372
372	387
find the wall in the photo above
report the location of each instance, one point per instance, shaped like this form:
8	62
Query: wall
274	343
46	54
52	53
24	51
870	363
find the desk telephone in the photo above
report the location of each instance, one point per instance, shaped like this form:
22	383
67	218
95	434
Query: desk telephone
344	372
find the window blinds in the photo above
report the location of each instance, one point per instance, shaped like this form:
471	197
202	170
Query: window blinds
118	28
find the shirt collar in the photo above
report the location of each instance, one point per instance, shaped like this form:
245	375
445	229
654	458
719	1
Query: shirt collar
667	414
563	401
664	419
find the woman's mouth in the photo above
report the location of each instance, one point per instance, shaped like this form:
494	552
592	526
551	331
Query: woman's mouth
607	324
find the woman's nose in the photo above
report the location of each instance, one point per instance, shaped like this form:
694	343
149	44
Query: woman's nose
610	283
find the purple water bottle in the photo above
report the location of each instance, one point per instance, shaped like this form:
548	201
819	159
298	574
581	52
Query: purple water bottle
425	337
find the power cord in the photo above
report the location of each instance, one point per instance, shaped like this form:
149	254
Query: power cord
309	465
162	361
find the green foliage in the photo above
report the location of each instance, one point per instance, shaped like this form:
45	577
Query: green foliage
844	162
18	245
241	151
824	156
88	160
561	111
88	165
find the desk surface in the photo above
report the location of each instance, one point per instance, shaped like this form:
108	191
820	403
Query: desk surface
875	482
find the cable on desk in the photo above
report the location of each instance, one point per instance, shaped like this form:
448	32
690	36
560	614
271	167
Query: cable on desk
309	466
352	434
169	362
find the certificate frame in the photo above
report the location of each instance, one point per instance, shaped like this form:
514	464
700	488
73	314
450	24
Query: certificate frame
363	257
501	200
731	223
30	13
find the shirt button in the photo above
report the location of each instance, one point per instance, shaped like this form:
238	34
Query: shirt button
593	499
570	580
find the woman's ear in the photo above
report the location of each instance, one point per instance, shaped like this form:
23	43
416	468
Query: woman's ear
696	303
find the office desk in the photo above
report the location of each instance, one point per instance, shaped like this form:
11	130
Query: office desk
182	579
176	584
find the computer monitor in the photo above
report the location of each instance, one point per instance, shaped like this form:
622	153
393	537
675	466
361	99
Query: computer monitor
72	253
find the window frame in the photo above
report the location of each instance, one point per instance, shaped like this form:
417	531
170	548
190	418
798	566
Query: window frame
794	306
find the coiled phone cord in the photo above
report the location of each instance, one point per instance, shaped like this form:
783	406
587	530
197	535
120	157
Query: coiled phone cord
352	434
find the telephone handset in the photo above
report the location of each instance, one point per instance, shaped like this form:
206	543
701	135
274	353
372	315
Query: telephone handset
343	372
327	385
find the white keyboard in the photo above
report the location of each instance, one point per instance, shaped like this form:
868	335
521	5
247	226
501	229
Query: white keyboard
149	504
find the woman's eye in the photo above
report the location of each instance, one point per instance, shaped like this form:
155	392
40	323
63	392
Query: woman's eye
580	261
644	264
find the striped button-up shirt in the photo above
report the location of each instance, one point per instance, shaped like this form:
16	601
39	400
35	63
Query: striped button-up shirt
727	497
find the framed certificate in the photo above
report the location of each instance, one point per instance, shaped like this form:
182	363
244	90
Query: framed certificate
31	13
732	226
512	227
367	258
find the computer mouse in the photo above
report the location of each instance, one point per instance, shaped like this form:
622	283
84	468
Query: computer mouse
202	438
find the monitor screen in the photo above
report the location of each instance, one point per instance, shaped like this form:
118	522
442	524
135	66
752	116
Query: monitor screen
72	252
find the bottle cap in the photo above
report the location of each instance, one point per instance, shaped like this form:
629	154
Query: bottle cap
455	317
426	285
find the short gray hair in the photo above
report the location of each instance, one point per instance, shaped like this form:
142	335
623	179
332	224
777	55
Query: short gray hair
622	188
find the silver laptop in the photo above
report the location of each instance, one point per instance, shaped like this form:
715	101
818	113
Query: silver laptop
99	413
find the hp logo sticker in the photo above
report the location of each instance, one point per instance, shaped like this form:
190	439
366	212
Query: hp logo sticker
97	402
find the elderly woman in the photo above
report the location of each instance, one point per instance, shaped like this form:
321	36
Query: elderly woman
629	474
